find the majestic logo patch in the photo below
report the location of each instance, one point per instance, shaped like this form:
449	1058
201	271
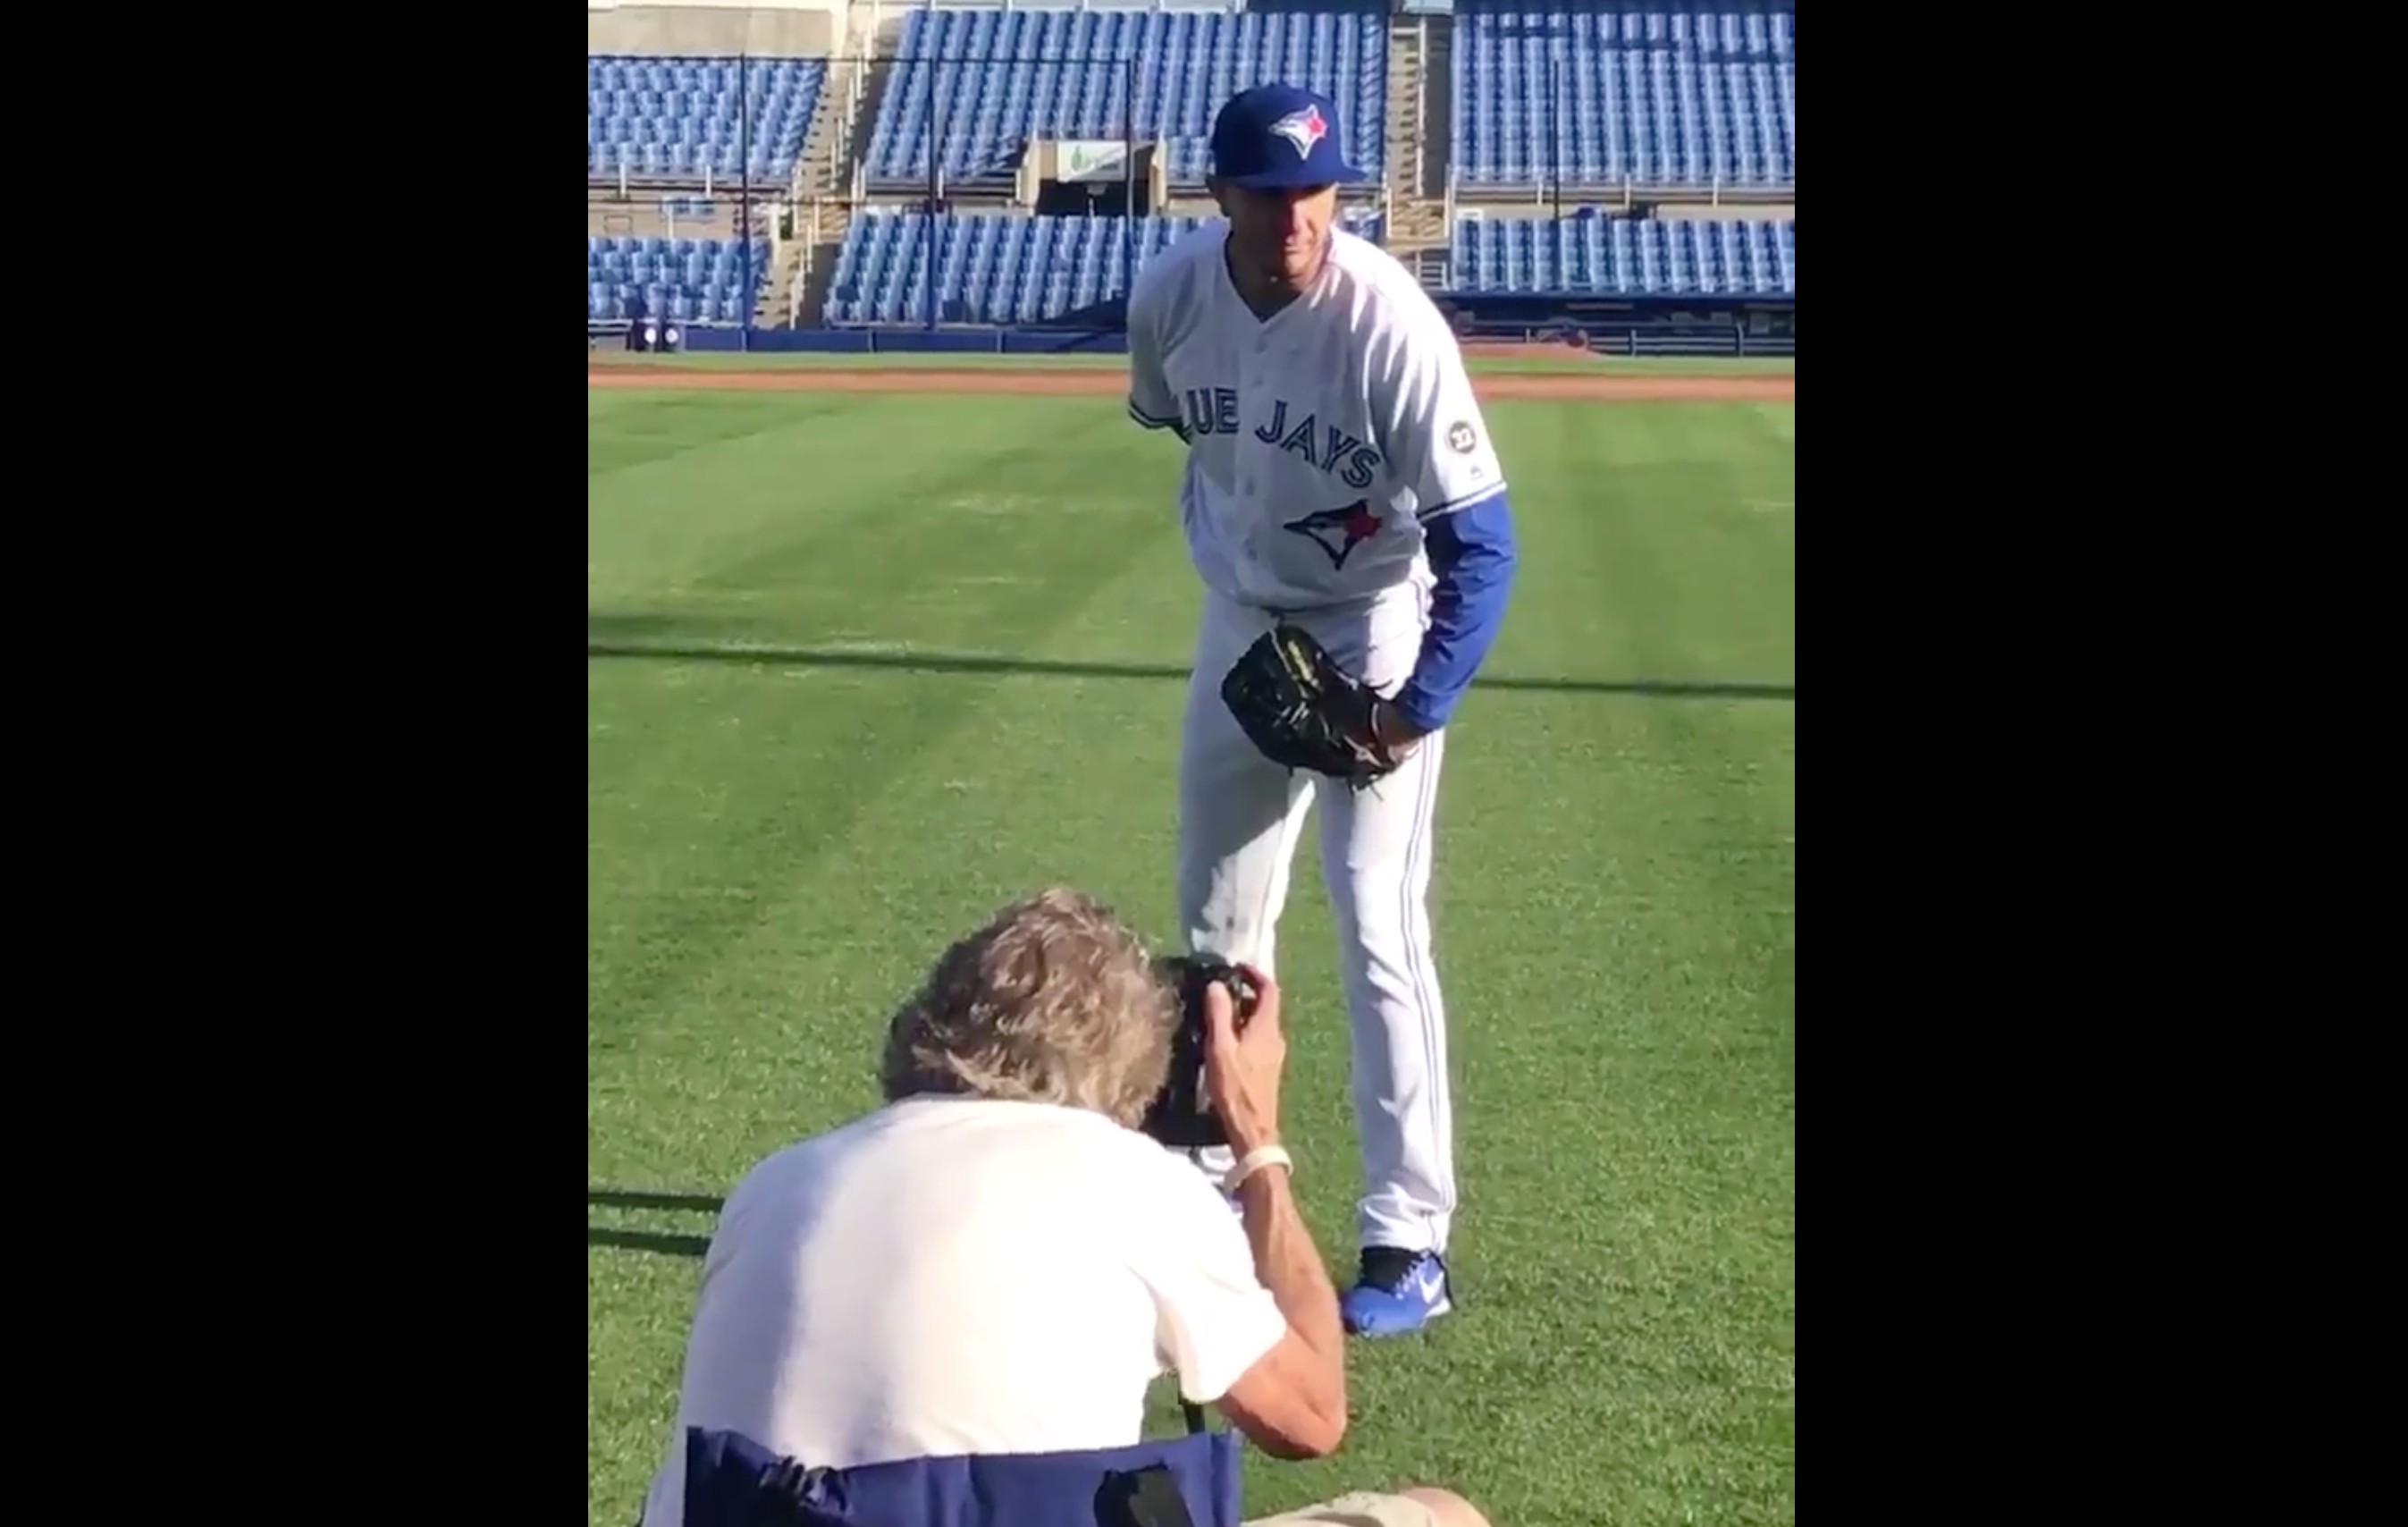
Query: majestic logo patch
1302	129
1338	531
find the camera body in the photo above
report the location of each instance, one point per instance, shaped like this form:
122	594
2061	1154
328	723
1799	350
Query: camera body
1182	1117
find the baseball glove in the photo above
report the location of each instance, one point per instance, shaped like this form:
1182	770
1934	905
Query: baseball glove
1302	711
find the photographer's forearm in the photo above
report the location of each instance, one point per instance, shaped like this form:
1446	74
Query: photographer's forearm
1289	1263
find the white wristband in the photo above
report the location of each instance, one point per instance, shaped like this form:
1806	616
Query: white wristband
1257	1158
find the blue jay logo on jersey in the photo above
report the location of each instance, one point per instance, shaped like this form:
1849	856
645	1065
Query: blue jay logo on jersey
1338	531
1327	447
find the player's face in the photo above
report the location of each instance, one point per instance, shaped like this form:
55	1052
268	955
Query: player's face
1280	235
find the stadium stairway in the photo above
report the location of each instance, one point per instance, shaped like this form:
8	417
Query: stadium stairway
856	81
1417	221
882	42
822	169
875	36
1431	253
1437	87
1405	114
826	238
823	175
770	308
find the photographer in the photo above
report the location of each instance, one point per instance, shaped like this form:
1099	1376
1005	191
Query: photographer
964	1295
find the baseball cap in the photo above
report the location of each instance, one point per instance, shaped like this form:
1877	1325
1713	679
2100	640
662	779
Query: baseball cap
1279	138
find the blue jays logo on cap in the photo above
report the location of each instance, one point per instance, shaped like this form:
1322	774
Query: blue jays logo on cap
1279	138
1303	128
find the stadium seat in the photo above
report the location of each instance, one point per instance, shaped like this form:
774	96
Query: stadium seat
1661	93
701	280
974	86
1626	256
993	268
688	118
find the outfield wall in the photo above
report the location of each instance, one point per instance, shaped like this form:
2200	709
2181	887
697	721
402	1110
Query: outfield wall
983	340
1610	325
1646	326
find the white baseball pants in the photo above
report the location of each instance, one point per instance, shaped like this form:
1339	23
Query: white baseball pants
1241	817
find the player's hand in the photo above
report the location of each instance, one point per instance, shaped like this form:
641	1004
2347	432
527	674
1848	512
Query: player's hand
1243	1069
1392	733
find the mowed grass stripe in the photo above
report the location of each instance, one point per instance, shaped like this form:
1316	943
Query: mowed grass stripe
1621	1114
713	786
823	829
1623	1023
724	478
1780	421
1613	895
1042	775
624	431
1694	583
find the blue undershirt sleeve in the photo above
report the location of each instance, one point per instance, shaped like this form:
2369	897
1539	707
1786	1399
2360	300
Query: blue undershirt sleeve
1439	444
1471	550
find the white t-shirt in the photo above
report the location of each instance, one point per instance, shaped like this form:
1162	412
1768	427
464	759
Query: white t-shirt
952	1275
1319	441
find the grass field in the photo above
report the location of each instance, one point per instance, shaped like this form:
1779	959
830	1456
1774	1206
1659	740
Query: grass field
862	667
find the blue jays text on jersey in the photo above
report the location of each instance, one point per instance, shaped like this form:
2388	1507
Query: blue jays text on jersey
1214	411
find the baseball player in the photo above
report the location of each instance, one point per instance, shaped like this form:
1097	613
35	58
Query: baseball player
1340	480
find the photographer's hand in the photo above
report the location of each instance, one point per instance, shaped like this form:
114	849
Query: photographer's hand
1242	1070
1292	1402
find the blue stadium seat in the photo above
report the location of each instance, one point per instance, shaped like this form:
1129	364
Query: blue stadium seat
975	85
1626	256
700	281
1667	93
993	268
685	118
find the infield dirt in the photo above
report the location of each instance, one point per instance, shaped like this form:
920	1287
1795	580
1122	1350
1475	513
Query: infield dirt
1563	387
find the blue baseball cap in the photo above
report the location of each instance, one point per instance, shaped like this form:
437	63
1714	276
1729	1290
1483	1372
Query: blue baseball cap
1279	138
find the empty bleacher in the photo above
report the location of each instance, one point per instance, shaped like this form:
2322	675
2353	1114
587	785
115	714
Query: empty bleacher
995	267
1663	95
695	280
998	96
1672	102
681	118
1626	256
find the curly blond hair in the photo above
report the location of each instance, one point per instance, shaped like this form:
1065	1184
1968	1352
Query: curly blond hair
1054	999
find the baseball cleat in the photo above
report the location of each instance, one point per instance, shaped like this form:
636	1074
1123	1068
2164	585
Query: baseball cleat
1396	1292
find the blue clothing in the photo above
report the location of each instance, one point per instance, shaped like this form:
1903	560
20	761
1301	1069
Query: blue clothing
732	1481
1472	554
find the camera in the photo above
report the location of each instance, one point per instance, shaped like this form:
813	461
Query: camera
1182	1116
